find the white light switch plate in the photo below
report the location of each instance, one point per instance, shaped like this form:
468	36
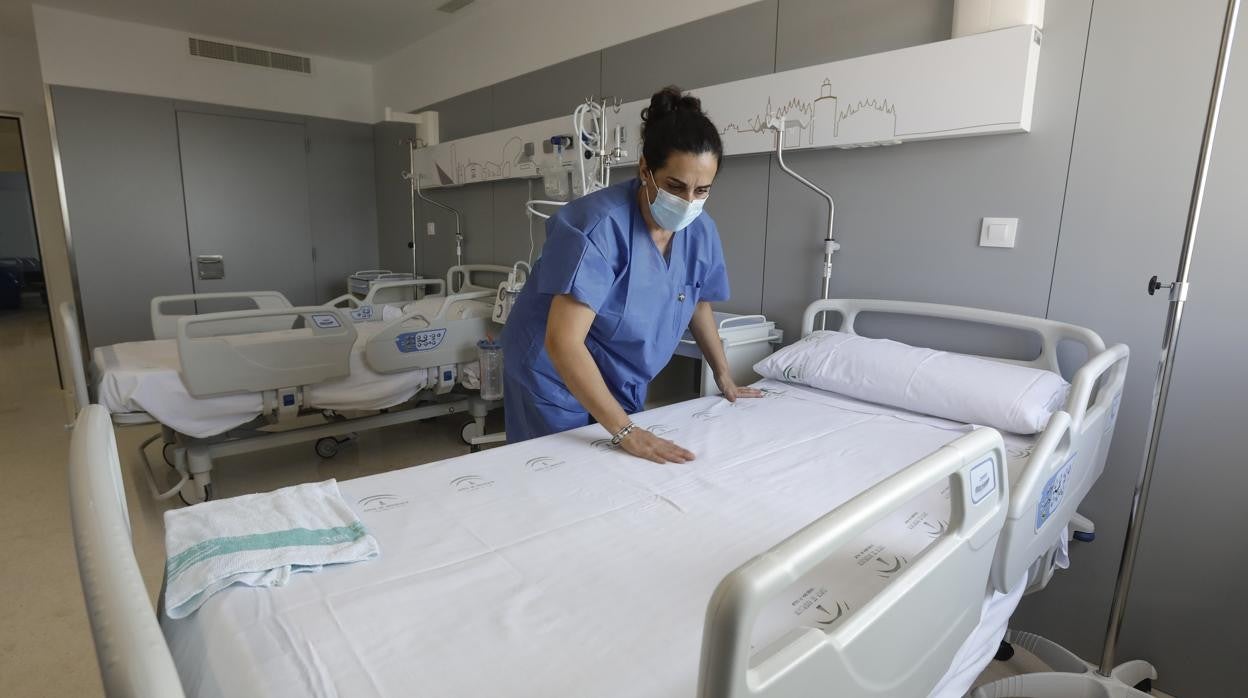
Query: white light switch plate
430	229
998	232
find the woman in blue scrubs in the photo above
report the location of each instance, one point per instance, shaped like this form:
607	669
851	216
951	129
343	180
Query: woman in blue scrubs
624	271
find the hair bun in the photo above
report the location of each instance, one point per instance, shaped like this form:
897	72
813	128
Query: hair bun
668	101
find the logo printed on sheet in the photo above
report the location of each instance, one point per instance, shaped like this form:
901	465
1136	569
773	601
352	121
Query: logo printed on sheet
886	565
424	340
924	521
774	392
381	502
705	416
829	617
1020	452
826	613
604	445
793	373
542	463
470	483
661	429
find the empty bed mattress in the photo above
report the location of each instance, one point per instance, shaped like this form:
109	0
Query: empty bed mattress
144	377
564	567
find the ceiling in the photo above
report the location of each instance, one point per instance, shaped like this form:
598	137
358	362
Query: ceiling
354	30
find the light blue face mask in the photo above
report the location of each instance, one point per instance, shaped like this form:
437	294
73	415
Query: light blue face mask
672	212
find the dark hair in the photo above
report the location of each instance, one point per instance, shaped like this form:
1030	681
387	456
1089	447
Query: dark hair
675	122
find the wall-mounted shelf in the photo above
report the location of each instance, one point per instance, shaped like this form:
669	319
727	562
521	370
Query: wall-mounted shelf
974	85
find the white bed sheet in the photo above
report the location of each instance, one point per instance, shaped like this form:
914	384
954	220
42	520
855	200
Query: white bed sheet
144	377
562	567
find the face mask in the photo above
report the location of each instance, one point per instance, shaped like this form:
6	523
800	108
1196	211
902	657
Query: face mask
672	212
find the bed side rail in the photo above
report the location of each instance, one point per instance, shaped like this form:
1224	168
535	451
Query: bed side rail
165	325
459	278
901	642
134	659
221	353
1051	332
67	316
402	291
414	341
1067	460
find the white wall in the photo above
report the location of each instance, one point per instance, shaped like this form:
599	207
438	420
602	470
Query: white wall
504	39
80	50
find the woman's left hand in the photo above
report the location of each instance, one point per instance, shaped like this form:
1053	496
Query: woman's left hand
731	391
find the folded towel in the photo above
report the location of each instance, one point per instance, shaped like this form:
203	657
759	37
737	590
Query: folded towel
258	540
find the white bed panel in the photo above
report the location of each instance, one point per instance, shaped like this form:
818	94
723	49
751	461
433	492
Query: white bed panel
563	567
143	377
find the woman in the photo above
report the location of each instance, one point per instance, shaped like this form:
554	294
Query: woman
623	272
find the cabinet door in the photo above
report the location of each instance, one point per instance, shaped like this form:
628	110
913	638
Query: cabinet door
246	190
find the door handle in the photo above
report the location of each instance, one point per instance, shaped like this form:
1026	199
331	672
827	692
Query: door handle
210	266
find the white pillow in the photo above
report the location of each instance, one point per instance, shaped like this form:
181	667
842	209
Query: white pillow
938	383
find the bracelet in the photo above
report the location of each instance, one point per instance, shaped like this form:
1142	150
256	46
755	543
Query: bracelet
619	435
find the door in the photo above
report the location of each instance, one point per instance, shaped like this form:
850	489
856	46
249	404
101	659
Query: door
246	190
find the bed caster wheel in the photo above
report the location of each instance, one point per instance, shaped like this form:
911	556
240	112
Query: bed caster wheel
327	447
469	431
167	452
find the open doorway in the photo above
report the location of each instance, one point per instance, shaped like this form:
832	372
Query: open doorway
24	311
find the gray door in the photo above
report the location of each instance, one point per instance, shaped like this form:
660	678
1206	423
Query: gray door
246	189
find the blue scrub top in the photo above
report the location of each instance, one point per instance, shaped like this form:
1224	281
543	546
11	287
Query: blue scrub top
599	251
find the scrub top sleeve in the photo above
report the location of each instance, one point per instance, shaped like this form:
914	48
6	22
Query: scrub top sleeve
573	265
715	285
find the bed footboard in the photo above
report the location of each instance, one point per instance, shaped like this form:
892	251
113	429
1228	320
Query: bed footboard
902	641
134	660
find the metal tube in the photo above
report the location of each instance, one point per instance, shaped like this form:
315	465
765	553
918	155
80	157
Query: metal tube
1170	342
411	170
459	236
829	243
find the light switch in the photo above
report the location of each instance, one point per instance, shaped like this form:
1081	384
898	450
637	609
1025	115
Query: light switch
998	232
430	229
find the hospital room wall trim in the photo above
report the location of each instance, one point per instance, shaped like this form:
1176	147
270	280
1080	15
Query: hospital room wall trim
1100	199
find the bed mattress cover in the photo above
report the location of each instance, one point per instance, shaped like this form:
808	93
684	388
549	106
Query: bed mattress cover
144	377
563	567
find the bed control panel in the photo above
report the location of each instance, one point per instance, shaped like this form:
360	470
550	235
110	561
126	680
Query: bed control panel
1053	493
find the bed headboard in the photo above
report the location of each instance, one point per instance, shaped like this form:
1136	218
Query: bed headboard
134	659
1050	333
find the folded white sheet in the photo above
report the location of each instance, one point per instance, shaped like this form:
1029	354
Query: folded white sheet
964	388
258	540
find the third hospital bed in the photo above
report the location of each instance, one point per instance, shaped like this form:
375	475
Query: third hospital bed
562	567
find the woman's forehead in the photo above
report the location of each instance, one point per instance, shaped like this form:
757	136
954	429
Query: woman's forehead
695	169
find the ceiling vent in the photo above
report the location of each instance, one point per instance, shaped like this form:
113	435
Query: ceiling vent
250	56
452	6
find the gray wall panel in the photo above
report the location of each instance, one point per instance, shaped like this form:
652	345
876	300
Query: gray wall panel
123	184
343	202
465	115
818	31
390	160
908	216
476	207
546	93
512	226
738	204
737	44
1126	202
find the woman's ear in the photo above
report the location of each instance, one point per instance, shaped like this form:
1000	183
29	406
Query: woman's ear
641	168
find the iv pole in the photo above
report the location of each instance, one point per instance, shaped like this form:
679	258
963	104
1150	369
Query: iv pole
1178	297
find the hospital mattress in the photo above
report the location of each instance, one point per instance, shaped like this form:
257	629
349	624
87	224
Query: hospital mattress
144	377
564	567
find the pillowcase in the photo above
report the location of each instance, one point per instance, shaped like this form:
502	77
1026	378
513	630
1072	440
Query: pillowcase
964	388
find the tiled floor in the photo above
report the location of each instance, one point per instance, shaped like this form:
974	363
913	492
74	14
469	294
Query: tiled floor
45	642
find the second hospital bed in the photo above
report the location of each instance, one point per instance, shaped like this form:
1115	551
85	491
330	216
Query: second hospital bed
560	566
218	382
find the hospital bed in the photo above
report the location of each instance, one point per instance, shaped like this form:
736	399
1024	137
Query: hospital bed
560	566
225	383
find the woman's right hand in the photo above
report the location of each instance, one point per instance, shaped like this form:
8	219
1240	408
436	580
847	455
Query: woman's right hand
643	444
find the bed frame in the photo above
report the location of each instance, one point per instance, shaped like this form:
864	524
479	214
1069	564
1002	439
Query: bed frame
1069	455
897	645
